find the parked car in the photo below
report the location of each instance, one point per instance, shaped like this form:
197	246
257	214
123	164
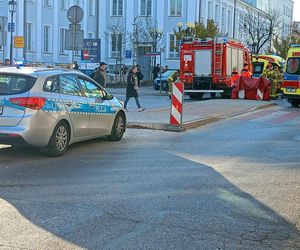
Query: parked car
53	108
166	79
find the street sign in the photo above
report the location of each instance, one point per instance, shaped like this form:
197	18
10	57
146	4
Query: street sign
19	41
86	55
77	36
93	47
75	14
11	27
128	54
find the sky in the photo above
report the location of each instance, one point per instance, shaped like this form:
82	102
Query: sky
296	10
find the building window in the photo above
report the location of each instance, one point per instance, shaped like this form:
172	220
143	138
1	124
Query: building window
223	20
217	13
92	9
62	4
173	47
48	3
29	37
117	7
47	39
146	6
62	40
116	45
77	2
209	11
229	23
175	7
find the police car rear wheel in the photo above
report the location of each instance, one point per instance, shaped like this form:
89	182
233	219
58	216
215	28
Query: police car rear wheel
59	141
118	128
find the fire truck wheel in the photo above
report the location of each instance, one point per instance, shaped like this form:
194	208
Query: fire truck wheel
195	95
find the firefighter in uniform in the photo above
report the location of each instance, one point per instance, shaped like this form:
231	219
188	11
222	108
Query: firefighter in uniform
278	80
245	71
270	74
234	76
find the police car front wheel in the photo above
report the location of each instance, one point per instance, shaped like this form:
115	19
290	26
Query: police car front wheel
118	128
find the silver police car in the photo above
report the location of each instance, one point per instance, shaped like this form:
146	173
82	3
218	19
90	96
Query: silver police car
53	108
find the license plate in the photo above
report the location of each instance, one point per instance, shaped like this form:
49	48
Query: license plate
1	110
290	90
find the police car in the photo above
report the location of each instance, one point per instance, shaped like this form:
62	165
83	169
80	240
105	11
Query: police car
53	108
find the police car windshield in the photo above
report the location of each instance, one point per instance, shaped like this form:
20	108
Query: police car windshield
11	84
293	66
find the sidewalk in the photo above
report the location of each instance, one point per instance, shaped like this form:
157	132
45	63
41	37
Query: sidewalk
195	113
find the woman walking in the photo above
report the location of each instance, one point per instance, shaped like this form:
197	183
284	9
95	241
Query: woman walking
132	87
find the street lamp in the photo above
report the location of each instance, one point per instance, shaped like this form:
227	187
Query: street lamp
179	26
12	9
189	28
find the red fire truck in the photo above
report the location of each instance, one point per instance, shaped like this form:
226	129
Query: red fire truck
206	64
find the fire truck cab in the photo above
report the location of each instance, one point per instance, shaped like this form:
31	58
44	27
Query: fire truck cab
206	64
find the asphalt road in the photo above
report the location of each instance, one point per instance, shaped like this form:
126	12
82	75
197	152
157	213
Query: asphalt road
233	184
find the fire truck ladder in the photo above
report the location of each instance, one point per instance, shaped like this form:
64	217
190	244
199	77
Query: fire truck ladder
218	55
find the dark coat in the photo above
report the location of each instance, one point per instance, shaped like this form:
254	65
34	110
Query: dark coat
155	72
100	76
130	90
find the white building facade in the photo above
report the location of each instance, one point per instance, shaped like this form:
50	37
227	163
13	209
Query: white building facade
44	23
285	8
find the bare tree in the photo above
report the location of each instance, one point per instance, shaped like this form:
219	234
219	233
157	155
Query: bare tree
116	34
260	27
145	31
282	44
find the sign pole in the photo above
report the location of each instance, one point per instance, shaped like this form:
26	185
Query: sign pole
160	71
73	41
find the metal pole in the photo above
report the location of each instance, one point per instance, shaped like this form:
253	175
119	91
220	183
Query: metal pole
160	71
24	29
11	37
73	42
73	38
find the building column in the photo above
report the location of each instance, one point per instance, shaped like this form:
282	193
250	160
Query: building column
39	32
56	33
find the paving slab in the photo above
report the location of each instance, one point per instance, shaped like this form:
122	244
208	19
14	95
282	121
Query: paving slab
195	114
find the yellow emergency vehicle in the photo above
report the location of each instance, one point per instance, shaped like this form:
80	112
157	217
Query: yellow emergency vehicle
291	76
260	62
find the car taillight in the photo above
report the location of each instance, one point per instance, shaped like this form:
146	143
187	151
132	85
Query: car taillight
29	102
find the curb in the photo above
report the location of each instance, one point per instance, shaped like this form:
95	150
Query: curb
191	124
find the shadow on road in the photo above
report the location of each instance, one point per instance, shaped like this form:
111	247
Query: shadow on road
105	195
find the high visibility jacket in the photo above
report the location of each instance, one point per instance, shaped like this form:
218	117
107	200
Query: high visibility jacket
269	74
246	72
233	78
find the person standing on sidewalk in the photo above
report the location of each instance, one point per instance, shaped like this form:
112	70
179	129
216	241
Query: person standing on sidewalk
139	74
155	71
100	74
132	88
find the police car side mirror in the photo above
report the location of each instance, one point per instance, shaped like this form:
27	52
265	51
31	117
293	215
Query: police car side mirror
108	96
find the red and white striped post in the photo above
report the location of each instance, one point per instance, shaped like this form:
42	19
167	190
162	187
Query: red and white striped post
177	104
